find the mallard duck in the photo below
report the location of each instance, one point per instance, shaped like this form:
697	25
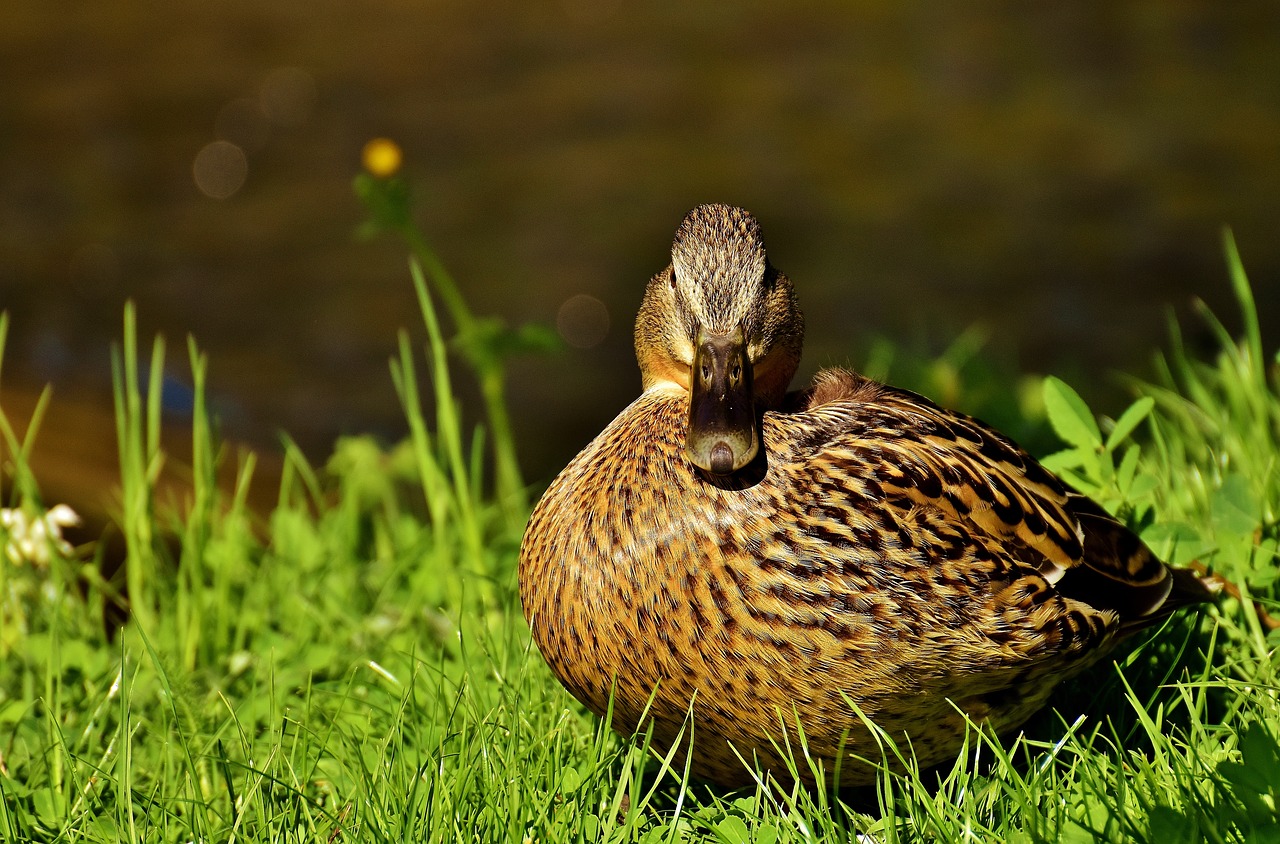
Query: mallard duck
734	558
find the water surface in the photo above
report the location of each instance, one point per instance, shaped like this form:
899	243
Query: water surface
1060	177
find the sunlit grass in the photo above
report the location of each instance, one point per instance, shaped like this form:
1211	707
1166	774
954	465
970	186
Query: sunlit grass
354	666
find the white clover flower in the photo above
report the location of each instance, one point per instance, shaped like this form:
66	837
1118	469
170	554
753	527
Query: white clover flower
30	540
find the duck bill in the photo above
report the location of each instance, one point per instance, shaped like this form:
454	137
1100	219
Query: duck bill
723	430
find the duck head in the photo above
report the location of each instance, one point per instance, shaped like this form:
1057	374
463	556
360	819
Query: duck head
723	325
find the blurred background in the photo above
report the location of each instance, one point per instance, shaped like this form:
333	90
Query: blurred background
1060	177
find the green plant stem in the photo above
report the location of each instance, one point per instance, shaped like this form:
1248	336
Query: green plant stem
138	443
508	482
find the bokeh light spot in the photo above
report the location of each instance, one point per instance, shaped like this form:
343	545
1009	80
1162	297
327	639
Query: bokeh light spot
220	169
583	321
381	157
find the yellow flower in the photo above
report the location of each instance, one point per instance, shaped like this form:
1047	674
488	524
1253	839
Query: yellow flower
381	157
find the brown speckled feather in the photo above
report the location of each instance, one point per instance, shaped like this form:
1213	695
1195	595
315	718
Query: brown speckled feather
879	551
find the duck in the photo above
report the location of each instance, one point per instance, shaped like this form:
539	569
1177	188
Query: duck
775	582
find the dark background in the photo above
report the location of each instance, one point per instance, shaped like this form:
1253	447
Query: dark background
1060	177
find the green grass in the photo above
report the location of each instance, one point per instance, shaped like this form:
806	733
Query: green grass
354	665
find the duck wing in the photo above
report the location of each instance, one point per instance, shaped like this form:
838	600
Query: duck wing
946	460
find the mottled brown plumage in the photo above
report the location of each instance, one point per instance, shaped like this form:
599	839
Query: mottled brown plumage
871	549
